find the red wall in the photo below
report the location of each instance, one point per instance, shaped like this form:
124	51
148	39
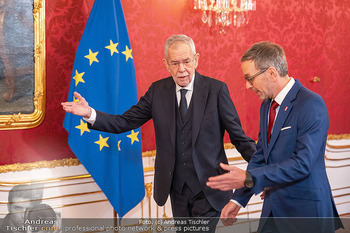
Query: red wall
314	34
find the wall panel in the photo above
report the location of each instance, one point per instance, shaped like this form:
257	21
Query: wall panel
315	35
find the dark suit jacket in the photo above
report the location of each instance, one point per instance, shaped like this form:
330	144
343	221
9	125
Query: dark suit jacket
292	166
213	113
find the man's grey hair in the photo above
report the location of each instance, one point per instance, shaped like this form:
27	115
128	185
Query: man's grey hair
178	38
265	54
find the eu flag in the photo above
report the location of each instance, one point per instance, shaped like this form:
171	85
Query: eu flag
104	74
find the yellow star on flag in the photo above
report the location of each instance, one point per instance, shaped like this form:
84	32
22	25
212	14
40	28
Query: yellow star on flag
119	145
127	53
78	77
83	127
92	57
112	47
102	142
133	136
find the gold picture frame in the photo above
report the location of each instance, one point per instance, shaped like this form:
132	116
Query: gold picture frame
22	120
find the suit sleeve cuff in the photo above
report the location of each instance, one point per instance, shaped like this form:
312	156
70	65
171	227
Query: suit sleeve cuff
236	202
91	120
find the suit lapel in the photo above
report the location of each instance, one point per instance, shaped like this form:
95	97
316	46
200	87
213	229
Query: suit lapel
169	99
199	101
283	113
263	126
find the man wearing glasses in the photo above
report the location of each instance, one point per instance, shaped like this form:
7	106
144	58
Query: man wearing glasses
190	113
289	162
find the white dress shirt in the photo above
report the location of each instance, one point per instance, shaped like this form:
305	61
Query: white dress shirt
280	97
189	92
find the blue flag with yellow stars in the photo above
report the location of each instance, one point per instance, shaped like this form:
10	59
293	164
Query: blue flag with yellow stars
104	74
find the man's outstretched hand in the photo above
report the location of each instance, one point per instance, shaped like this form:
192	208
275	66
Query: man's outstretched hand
234	179
79	108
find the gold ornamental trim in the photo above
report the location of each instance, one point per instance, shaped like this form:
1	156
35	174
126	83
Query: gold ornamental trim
50	180
338	136
75	162
40	164
54	197
150	153
338	147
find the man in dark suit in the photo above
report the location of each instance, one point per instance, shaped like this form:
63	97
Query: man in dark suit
190	113
289	162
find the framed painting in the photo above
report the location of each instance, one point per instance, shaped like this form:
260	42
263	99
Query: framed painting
22	63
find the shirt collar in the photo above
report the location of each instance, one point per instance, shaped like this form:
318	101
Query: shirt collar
189	87
280	97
